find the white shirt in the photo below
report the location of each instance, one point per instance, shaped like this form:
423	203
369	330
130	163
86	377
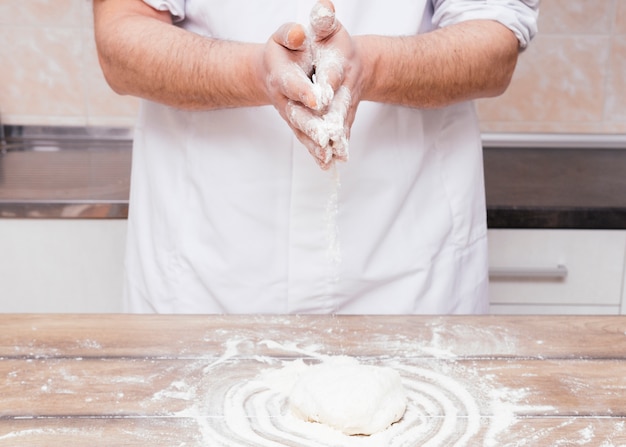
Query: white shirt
230	214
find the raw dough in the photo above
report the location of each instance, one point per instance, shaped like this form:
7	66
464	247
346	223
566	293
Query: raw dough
353	398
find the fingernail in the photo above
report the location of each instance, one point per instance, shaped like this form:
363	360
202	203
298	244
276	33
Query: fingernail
295	37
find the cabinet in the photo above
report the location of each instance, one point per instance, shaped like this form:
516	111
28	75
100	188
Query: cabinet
73	265
557	271
61	265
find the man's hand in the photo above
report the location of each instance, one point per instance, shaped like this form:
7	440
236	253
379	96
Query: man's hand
288	70
307	82
316	82
336	76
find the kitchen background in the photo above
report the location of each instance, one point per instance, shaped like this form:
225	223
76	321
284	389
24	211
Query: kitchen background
571	80
570	84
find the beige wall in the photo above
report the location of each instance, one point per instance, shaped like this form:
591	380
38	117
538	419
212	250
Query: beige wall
572	79
49	71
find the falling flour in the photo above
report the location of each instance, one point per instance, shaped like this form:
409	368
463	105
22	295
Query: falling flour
333	252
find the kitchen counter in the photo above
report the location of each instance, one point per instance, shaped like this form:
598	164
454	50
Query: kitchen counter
88	176
66	173
555	188
136	380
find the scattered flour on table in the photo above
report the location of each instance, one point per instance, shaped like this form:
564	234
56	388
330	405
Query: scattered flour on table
28	437
257	411
231	405
440	410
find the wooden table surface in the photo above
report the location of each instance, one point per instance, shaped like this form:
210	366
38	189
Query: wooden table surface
124	380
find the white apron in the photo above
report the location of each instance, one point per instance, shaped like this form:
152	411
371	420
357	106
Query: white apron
230	214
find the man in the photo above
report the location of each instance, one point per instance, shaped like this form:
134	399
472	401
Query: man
230	211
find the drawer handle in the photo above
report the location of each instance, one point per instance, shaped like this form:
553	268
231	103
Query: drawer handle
558	272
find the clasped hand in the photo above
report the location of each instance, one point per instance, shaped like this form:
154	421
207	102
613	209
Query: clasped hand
312	78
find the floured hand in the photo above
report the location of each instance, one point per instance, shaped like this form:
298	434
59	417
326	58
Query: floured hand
286	67
325	129
336	58
312	76
325	135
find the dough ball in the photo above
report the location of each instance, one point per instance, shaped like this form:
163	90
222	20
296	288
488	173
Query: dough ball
345	395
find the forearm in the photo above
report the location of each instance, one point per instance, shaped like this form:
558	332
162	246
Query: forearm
141	54
461	62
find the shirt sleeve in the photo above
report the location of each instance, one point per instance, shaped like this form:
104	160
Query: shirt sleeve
520	16
175	7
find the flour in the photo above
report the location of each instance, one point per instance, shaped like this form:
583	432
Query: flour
587	435
439	411
336	124
316	128
327	128
322	91
333	251
322	18
334	105
40	433
325	61
326	122
327	131
241	396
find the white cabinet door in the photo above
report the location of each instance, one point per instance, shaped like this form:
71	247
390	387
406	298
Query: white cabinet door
556	271
61	265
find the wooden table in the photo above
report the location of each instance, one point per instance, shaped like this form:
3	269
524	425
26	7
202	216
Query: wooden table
123	380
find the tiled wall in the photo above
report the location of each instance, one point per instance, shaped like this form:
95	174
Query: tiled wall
571	80
49	73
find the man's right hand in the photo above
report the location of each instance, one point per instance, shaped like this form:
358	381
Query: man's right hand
288	64
324	126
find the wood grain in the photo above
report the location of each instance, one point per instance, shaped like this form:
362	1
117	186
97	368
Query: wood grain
168	432
201	336
162	380
122	387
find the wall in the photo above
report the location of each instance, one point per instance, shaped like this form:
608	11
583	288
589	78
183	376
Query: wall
50	73
571	80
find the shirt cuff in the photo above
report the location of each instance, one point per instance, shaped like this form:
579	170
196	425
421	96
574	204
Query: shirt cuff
175	7
520	16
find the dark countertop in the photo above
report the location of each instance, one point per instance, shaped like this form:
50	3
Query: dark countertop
555	188
89	177
81	174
